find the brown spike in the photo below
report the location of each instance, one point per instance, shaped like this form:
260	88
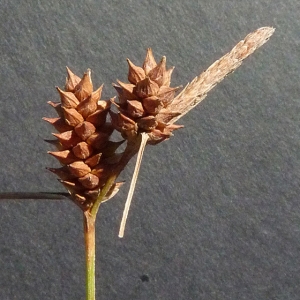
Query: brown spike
85	129
84	87
135	73
157	74
68	99
82	150
79	168
72	116
68	138
149	62
64	157
71	81
58	123
89	181
146	88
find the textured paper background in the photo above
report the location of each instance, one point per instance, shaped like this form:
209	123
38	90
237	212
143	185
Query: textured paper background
216	211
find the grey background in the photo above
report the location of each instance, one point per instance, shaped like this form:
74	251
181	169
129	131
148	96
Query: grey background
216	211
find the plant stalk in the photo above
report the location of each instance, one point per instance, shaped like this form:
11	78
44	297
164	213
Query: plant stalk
89	237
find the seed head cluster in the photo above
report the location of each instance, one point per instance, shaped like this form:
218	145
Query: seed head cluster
146	107
83	146
145	100
84	149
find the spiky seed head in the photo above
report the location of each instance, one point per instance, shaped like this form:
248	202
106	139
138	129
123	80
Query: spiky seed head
141	101
82	138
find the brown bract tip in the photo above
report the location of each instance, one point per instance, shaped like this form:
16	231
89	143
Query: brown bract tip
71	81
84	87
149	62
135	73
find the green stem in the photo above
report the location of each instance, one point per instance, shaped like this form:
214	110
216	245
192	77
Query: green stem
89	222
89	237
104	191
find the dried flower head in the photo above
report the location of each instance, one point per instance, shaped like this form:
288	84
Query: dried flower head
84	149
144	100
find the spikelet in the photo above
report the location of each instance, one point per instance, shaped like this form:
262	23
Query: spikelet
143	99
84	149
194	92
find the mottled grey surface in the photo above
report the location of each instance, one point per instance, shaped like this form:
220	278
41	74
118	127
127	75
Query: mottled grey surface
216	211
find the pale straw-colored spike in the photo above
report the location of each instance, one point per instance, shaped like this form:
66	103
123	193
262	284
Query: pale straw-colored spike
197	90
144	140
